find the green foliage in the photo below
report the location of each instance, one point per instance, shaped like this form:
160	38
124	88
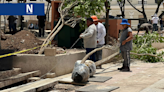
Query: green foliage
85	8
143	44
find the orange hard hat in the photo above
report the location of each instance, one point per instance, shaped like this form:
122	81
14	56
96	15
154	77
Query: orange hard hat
94	18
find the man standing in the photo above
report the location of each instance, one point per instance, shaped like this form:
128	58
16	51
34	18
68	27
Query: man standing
41	23
155	20
126	45
11	20
89	37
101	32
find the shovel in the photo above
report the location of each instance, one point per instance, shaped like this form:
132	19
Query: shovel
75	43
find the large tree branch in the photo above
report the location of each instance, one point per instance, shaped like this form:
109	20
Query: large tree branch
134	7
159	3
121	5
143	10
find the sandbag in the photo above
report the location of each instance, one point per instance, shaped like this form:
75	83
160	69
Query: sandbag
80	72
92	67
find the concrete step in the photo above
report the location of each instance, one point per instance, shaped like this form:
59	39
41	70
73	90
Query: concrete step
18	78
9	73
37	85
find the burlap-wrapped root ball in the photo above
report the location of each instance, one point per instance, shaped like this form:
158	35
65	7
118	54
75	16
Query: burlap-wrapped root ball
92	67
80	72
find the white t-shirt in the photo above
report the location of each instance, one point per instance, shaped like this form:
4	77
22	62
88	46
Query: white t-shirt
101	33
155	20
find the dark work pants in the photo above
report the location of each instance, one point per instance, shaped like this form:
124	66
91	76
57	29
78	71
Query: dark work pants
126	57
92	57
15	26
41	31
155	27
12	27
161	26
98	54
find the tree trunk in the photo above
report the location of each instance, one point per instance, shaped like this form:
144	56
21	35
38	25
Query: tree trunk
123	14
4	23
122	8
51	35
90	53
145	17
100	62
107	21
156	12
0	32
143	11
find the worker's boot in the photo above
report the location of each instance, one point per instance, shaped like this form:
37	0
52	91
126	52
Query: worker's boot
121	68
125	69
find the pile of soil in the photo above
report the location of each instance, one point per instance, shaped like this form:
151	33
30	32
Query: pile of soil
21	41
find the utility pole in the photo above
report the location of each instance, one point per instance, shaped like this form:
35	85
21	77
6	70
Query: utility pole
19	17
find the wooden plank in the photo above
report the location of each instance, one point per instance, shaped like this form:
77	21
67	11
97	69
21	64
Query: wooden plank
9	73
17	87
70	81
18	78
37	85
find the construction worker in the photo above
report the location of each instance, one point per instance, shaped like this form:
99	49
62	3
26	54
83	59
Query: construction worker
89	38
101	32
155	20
126	45
145	26
41	23
11	20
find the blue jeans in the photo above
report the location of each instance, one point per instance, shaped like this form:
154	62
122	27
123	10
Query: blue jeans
92	57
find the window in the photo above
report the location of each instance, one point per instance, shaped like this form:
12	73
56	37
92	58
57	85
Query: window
140	2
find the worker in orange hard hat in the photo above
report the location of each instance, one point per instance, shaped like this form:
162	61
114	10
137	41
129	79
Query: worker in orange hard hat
101	33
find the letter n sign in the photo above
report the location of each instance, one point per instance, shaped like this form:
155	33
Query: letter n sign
29	8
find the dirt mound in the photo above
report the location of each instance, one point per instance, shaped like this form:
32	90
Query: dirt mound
21	41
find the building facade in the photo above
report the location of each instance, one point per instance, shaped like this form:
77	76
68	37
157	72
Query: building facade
131	13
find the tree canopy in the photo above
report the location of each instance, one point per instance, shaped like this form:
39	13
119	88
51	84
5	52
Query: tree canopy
83	8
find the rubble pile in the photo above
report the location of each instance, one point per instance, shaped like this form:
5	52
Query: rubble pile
21	41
